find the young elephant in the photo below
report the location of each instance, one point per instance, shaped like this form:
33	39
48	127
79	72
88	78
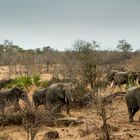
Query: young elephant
59	94
12	97
133	101
39	97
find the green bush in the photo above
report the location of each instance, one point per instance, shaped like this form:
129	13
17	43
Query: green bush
44	84
36	80
26	81
21	82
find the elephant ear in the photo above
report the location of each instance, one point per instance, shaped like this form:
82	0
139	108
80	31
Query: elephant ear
60	92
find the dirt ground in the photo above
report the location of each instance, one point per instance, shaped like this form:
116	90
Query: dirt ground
86	131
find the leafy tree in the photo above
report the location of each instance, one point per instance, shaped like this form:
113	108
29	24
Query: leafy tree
124	46
38	50
46	48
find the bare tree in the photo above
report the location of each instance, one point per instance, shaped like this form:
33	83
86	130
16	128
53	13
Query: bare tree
105	111
89	60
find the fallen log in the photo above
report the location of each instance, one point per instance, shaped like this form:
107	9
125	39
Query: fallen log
19	119
63	122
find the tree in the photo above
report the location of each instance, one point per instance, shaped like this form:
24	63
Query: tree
38	50
89	60
124	46
46	48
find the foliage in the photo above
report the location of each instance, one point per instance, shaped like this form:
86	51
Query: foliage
36	79
44	84
89	59
25	81
21	82
124	46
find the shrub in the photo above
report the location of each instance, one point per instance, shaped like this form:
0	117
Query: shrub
44	84
36	80
21	82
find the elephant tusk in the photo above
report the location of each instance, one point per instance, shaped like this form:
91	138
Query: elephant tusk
71	99
65	99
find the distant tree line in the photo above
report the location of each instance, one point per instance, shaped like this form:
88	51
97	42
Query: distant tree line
83	61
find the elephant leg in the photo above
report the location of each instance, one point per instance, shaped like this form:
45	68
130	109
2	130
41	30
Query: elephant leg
36	104
2	106
57	108
68	108
138	108
130	110
139	82
134	111
48	106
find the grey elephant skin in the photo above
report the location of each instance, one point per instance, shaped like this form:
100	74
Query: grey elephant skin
60	94
133	101
137	76
111	74
11	97
121	78
39	97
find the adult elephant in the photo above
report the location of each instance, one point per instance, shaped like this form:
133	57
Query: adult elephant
133	101
121	78
60	94
111	74
39	97
11	97
137	76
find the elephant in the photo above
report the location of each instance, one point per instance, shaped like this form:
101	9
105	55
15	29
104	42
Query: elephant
11	97
60	94
121	78
132	98
137	77
4	82
111	74
39	97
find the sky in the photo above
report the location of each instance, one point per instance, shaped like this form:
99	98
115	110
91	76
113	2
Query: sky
58	23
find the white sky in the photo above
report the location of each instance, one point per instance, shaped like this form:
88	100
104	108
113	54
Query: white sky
57	23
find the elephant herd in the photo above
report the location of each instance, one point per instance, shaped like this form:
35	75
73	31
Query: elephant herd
53	97
59	94
132	95
123	77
